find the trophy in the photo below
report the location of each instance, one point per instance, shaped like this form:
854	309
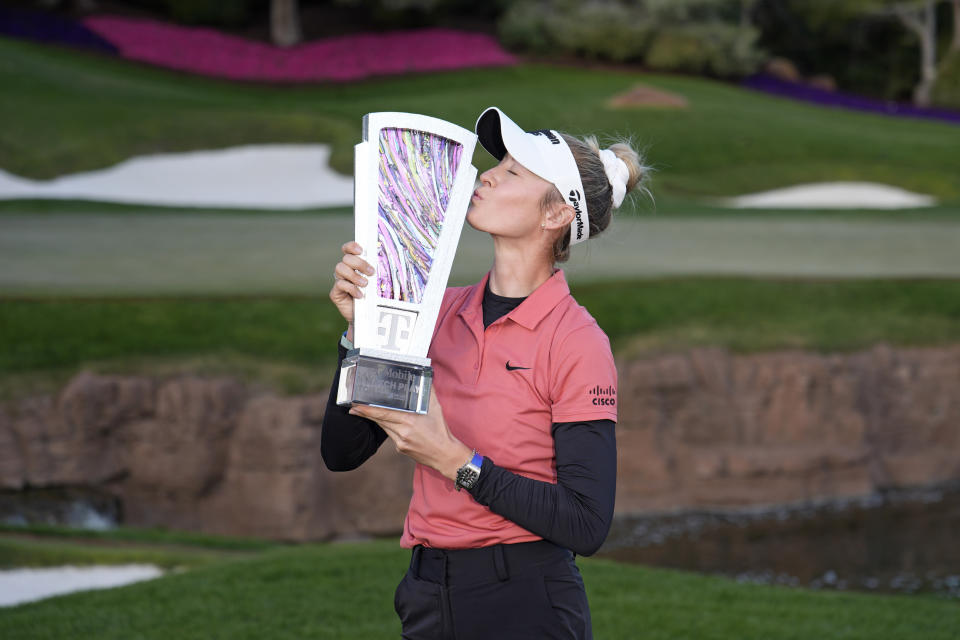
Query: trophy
412	186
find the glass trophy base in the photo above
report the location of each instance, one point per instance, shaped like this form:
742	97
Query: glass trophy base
384	382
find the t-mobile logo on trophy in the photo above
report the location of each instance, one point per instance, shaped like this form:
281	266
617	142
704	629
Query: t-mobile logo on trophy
412	186
389	327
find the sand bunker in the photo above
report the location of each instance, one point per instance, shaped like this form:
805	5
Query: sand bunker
278	176
298	176
26	585
833	195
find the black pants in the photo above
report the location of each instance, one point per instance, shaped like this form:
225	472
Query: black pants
527	590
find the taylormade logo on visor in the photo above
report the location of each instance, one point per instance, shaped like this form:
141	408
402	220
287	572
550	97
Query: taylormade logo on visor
575	201
550	135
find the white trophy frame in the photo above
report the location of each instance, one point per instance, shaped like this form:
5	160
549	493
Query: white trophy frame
387	329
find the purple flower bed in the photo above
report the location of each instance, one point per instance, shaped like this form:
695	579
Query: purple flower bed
209	52
35	25
776	86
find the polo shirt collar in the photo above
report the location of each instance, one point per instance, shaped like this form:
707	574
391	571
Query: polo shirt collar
528	313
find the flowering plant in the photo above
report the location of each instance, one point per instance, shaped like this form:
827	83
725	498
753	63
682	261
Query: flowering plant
352	57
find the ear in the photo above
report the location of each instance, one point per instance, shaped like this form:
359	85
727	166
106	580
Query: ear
559	216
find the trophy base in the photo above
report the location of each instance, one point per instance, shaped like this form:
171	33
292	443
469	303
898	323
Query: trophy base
383	382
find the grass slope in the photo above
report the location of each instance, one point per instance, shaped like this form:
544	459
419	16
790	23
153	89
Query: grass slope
345	591
287	341
67	111
639	205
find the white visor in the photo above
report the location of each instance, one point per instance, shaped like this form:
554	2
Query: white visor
543	152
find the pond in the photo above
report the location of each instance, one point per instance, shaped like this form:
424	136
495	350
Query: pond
894	542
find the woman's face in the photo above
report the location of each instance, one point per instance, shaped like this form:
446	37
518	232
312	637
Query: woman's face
507	202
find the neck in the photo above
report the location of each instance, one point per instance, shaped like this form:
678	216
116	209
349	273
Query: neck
517	270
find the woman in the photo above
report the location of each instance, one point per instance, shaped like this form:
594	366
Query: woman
523	407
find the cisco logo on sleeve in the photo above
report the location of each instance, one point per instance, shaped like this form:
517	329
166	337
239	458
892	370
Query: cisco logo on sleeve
604	396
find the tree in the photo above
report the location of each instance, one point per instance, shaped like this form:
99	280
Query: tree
921	19
285	23
917	16
746	8
955	43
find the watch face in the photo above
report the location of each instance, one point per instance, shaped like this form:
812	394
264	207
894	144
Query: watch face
471	479
467	477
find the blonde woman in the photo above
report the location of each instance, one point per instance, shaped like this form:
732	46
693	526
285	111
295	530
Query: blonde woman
516	458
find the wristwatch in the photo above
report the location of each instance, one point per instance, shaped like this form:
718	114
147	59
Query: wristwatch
469	473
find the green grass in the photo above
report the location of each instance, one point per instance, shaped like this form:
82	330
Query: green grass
664	205
291	339
41	206
67	111
346	590
751	315
15	552
135	535
40	545
287	343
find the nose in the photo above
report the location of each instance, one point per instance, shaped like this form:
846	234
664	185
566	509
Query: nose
488	178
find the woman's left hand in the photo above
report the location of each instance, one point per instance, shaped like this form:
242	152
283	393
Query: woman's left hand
425	438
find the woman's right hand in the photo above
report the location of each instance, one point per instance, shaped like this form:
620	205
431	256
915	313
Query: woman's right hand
348	281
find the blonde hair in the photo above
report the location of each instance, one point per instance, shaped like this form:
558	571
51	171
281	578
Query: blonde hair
596	185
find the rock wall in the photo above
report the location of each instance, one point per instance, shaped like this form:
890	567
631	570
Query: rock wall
200	454
698	428
708	428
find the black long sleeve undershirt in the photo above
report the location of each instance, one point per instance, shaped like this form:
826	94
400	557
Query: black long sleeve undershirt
574	513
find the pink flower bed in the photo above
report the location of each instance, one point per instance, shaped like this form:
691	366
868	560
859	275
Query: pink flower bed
209	52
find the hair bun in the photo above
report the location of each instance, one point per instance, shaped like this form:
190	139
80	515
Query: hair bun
633	161
617	173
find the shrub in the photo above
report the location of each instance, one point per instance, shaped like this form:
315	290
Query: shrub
712	48
343	58
602	30
523	27
673	35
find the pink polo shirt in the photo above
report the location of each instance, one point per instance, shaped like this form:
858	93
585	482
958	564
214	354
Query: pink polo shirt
501	390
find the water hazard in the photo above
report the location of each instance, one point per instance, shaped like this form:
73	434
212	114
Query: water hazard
895	542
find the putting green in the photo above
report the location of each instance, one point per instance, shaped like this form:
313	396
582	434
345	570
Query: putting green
178	253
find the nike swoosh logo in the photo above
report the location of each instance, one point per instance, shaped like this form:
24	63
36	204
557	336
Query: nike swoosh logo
512	368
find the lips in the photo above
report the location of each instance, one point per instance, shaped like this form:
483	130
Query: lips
477	195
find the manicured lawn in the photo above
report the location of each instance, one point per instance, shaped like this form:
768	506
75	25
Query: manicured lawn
640	205
346	590
135	535
728	141
290	339
16	552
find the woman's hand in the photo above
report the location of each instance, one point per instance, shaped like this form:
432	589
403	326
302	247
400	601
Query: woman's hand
425	438
348	282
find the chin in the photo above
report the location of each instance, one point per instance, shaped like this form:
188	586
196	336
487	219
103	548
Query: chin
470	219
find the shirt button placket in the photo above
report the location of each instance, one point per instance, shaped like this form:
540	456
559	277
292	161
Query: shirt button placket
476	364
483	347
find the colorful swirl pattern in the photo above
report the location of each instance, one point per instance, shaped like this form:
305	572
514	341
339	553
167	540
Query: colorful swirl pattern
417	170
